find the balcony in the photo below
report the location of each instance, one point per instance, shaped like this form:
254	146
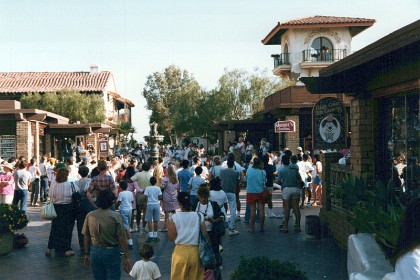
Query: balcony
323	55
280	59
281	63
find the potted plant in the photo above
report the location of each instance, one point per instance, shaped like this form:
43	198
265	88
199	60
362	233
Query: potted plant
11	219
261	267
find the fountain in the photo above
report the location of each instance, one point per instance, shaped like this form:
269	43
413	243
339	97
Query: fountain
154	139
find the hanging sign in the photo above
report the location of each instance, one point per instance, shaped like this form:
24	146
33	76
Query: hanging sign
284	126
329	124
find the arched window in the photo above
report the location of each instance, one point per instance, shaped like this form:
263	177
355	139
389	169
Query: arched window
321	49
286	54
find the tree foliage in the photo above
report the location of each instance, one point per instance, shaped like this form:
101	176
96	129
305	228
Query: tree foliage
179	105
171	95
86	108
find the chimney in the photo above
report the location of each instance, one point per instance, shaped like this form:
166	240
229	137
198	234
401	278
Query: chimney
94	69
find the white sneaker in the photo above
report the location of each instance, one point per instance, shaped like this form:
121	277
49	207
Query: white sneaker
233	232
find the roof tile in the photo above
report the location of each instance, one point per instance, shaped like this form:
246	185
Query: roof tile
326	20
18	82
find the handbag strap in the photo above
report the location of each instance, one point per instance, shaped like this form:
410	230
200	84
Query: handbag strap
199	226
72	187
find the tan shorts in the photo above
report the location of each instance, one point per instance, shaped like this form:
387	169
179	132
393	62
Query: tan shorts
288	193
141	199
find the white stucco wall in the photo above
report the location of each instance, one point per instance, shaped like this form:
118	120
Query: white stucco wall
299	40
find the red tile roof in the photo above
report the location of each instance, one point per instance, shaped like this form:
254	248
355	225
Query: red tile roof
326	20
20	82
355	25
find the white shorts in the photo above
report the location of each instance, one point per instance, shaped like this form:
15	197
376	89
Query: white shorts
288	192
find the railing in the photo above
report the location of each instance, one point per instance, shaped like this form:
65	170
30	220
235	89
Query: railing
281	59
338	174
323	55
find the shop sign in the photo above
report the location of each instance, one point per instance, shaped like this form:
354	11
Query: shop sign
329	124
103	147
284	126
7	146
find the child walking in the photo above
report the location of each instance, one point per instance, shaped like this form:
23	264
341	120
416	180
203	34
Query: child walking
153	194
145	269
125	201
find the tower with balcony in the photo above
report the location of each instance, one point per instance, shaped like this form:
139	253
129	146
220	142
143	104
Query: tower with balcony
311	43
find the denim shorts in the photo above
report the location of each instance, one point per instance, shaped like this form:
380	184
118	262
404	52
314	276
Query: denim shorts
153	213
126	217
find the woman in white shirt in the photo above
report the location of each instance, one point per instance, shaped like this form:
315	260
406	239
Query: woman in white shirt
183	227
62	226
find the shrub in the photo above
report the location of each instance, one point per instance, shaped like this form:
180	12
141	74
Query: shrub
262	267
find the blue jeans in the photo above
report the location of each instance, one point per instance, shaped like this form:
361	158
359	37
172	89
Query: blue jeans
44	188
22	196
105	262
194	201
232	206
248	213
35	191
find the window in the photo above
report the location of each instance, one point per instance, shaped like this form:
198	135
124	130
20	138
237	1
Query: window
399	138
321	49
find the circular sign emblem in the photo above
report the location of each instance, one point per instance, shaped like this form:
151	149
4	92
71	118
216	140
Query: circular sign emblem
329	129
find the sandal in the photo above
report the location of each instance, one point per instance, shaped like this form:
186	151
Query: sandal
298	230
250	230
283	230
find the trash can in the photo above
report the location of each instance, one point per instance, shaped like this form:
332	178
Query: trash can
313	227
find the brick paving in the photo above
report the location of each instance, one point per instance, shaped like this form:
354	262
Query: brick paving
320	259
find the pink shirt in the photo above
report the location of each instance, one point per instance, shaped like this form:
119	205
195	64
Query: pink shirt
9	189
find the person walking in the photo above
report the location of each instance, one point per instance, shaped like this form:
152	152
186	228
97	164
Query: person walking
103	228
153	193
22	180
256	179
289	177
183	228
61	191
229	180
170	188
143	180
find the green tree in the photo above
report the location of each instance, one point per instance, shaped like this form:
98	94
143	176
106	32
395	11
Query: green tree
86	108
241	94
172	96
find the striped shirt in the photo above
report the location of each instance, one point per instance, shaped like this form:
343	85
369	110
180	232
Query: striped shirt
61	193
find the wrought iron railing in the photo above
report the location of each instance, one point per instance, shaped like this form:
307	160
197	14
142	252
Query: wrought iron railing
323	55
281	59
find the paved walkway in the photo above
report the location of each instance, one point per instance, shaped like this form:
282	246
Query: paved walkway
320	259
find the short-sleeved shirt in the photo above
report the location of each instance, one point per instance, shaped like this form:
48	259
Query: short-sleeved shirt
142	179
152	193
229	179
184	177
187	227
145	271
255	179
7	177
22	179
195	183
126	198
102	182
104	227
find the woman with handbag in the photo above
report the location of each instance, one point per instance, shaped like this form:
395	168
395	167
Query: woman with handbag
255	188
183	227
61	192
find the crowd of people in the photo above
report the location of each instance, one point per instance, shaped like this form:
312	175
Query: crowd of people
193	190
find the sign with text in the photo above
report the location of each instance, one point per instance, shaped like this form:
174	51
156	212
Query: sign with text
103	147
7	146
284	126
329	124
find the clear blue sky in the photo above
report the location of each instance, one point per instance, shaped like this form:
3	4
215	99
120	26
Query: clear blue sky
134	38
